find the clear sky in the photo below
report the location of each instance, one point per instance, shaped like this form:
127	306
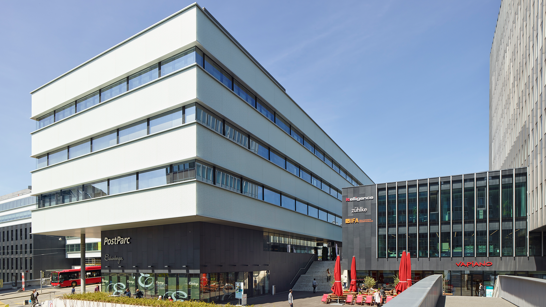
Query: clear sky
401	86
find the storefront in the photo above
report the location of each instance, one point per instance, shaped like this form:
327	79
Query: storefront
469	228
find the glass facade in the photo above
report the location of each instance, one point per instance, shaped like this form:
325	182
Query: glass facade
473	215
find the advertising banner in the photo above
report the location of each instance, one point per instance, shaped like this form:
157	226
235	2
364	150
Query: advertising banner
489	291
239	286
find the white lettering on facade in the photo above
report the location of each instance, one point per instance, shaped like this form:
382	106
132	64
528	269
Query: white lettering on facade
359	198
117	240
107	257
359	209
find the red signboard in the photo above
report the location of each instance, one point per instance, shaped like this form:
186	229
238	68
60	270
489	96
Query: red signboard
474	264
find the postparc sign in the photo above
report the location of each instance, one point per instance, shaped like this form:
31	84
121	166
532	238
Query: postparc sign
359	198
474	264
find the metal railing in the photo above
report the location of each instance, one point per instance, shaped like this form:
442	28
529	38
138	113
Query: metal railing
521	291
424	293
305	268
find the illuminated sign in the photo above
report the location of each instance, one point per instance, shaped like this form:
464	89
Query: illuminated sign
474	264
356	221
359	198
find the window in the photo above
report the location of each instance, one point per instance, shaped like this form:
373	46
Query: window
323	215
301	207
65	111
123	184
296	135
288	202
133	131
70	195
319	154
166	120
79	149
309	145
293	168
183	171
228	181
210	121
259	149
218	73
236	136
265	111
282	124
252	189
331	218
272	197
58	156
333	192
45	120
335	167
113	90
144	76
189	114
152	178
342	173
203	172
328	161
277	159
105	140
97	189
305	175
87	101
41	161
325	188
316	182
244	93
181	60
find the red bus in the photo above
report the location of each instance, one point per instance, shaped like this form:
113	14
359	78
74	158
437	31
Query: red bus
71	278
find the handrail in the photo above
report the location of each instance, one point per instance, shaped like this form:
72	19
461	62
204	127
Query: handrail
424	293
305	268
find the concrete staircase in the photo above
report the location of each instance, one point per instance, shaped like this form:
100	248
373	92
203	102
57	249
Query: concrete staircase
317	270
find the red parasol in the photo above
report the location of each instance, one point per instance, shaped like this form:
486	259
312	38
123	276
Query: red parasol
408	269
402	280
336	288
353	276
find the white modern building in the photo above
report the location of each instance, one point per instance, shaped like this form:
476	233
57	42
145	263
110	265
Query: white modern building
517	108
189	162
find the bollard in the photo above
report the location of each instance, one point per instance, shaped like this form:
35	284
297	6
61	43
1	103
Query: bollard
273	290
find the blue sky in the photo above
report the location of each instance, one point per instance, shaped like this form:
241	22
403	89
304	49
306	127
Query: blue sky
401	86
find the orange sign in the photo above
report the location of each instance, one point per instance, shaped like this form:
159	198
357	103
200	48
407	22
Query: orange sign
356	220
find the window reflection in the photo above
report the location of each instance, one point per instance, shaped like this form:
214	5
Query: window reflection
123	184
87	101
113	90
144	76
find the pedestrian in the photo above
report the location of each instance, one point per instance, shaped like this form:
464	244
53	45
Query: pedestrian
159	298
170	299
73	290
97	288
127	292
314	285
328	276
138	293
34	297
382	292
377	298
482	290
290	299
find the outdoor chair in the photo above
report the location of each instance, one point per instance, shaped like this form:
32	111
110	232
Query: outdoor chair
359	300
349	300
389	298
325	299
369	300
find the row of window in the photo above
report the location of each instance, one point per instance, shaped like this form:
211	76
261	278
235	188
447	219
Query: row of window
15	216
27	201
16	235
469	216
175	118
181	172
18	265
233	84
125	134
174	63
225	128
89	247
6	249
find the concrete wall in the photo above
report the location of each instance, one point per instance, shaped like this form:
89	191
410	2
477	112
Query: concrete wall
424	293
521	291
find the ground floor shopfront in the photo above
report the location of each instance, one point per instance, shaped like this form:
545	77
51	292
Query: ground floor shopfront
456	282
204	261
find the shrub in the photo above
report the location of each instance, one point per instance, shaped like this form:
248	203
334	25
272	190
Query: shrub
106	298
369	282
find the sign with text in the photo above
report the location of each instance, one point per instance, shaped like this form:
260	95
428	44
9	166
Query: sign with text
471	264
356	221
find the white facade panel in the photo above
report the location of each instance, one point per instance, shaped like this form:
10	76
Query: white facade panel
149	47
148	152
151	99
232	157
229	105
163	203
213	40
212	203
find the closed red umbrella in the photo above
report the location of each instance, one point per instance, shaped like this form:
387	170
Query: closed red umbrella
408	269
336	288
402	280
352	288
